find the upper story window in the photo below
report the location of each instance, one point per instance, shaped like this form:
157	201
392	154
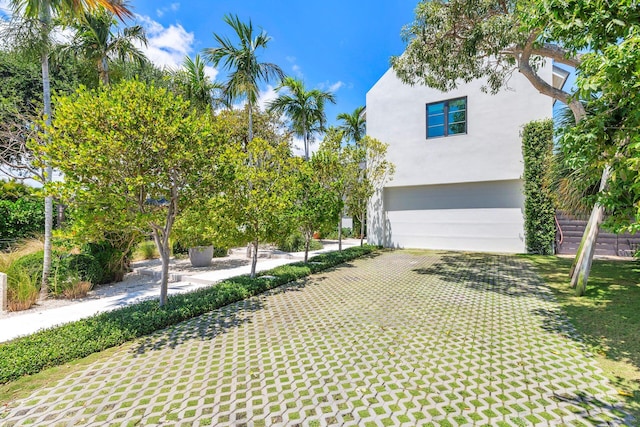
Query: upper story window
446	118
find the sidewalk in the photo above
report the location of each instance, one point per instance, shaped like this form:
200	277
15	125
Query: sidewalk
143	283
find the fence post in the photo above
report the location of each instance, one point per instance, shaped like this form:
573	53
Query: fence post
4	304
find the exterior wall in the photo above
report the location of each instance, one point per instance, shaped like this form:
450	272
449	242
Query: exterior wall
458	192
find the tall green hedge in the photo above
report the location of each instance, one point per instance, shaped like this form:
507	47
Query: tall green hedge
539	206
21	218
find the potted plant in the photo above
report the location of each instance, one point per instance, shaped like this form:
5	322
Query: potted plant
194	230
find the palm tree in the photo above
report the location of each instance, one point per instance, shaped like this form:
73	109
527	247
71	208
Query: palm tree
44	10
95	40
242	62
194	85
304	108
353	125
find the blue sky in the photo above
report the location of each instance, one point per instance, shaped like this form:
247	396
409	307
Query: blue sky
343	46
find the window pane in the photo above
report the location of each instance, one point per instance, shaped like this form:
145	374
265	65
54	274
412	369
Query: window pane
458	105
435	108
434	131
436	120
457	116
455	128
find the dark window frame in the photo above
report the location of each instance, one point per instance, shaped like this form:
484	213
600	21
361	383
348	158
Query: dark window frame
446	117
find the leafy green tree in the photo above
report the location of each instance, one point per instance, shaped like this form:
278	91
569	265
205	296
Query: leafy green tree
370	171
304	108
315	204
354	124
241	60
95	40
260	194
333	168
133	157
43	11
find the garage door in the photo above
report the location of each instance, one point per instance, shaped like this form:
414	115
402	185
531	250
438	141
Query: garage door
484	216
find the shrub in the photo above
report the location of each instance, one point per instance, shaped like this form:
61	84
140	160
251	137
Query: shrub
23	289
220	252
146	250
59	345
539	207
78	289
295	243
21	218
112	262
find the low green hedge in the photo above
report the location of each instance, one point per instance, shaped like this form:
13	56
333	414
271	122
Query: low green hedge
59	345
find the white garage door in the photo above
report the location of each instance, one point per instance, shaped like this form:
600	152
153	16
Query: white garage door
485	216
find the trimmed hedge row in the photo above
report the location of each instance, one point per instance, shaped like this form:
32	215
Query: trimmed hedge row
59	345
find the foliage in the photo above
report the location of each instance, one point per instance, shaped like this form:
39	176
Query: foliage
207	223
454	42
145	250
304	108
353	125
610	135
59	345
133	156
21	218
193	84
370	171
260	192
296	242
102	262
314	203
23	280
331	233
95	40
13	190
539	208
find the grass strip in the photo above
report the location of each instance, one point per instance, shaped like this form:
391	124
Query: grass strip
58	345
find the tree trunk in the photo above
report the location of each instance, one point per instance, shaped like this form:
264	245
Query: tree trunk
164	280
362	230
582	263
45	17
254	259
340	233
307	240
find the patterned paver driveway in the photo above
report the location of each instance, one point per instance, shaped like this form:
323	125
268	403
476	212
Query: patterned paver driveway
402	338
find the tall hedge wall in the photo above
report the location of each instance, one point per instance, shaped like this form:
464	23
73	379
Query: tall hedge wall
539	207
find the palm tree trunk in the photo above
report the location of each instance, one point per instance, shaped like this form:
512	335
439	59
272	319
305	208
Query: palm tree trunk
45	18
250	122
103	67
340	233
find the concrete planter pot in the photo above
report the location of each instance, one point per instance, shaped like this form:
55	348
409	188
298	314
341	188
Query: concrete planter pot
201	256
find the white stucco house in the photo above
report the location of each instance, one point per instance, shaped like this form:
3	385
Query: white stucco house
458	161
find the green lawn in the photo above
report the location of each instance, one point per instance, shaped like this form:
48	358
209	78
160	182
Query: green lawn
607	317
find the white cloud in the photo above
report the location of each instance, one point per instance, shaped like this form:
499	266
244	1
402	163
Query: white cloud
267	96
331	87
297	70
166	46
211	72
5	8
173	7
